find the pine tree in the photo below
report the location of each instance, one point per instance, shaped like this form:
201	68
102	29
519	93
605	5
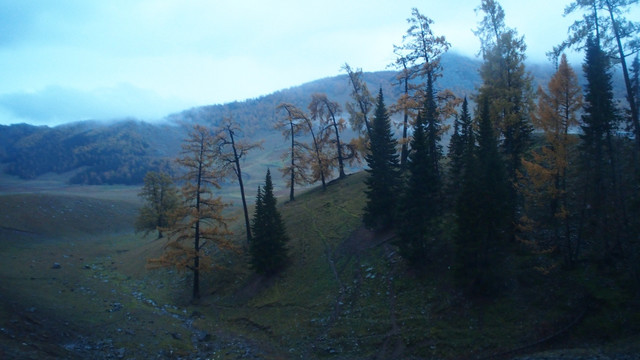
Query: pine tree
420	206
458	143
268	247
604	23
506	85
382	182
481	215
600	118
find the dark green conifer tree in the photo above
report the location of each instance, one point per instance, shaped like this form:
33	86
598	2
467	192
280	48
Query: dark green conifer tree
599	121
458	144
268	248
481	211
382	182
420	205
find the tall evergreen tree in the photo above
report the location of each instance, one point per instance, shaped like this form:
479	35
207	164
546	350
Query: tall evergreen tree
506	85
420	206
605	23
268	247
458	143
481	215
600	118
382	182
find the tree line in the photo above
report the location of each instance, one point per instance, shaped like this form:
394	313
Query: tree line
554	171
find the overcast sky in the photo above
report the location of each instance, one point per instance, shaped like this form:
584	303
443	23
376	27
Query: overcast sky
69	60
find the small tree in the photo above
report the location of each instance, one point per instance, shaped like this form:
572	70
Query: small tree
382	182
161	199
268	246
199	218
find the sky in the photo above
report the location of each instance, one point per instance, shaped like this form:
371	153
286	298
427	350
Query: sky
71	60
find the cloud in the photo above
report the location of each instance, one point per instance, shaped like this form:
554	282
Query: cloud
55	105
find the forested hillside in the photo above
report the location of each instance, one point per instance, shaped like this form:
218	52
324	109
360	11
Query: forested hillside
95	153
122	151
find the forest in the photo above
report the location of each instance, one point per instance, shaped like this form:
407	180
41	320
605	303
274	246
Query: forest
552	172
486	224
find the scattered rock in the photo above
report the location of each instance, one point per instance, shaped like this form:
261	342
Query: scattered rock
120	353
56	266
202	336
176	336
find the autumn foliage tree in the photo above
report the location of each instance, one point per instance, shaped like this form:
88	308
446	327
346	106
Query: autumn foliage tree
160	200
313	160
199	229
548	170
327	114
293	127
605	22
418	62
363	102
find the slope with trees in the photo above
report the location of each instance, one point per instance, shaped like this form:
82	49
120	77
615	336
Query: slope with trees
268	247
199	224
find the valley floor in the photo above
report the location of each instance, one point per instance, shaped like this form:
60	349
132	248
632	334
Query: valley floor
73	285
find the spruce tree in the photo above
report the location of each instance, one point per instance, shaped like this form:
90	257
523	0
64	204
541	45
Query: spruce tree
382	182
481	211
507	86
420	206
268	248
458	144
601	210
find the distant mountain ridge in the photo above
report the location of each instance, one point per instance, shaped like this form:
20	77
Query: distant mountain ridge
122	151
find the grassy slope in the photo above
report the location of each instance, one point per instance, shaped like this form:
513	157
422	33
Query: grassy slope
347	293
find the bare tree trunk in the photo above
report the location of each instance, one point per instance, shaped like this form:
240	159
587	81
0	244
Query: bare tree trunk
293	164
238	171
627	81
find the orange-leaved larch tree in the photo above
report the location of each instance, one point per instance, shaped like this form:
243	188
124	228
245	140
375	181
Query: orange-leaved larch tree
555	114
199	228
293	126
